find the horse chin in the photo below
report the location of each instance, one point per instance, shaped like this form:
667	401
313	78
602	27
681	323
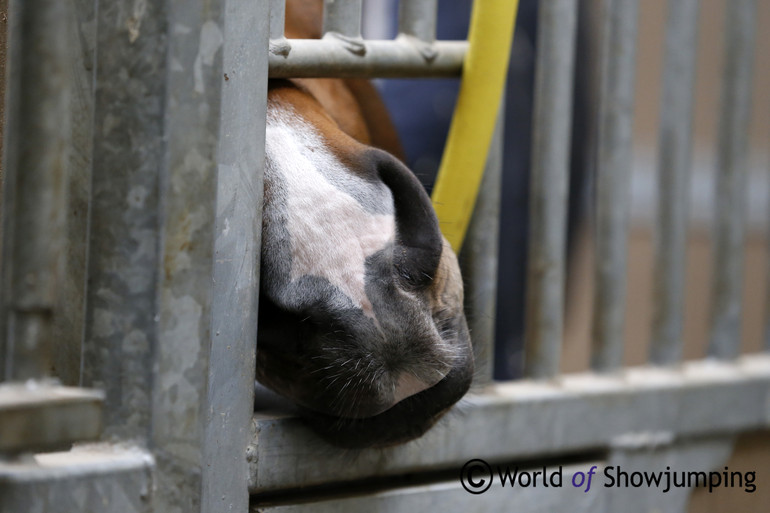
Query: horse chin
406	420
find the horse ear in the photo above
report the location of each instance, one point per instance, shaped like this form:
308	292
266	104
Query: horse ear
418	247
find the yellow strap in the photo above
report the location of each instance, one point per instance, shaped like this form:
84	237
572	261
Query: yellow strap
470	135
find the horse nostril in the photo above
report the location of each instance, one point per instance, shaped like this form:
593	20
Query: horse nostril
418	238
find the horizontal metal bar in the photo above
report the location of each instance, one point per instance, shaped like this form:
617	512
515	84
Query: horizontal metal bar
732	168
331	57
526	419
342	17
552	126
543	486
452	496
40	416
104	478
612	182
675	139
417	18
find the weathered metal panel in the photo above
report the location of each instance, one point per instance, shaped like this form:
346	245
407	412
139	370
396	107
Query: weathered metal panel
529	419
552	126
612	181
675	140
124	255
175	239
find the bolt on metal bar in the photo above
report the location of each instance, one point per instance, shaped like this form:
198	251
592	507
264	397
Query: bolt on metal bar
479	259
732	164
674	163
417	18
313	58
38	139
548	189
343	17
612	181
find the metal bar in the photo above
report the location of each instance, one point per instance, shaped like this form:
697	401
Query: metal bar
451	496
342	17
176	226
417	18
479	259
47	417
612	181
311	58
675	157
238	232
553	490
732	163
104	478
767	284
557	22
37	146
277	18
583	412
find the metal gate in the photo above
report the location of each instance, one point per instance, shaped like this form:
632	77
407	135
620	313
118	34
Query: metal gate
133	137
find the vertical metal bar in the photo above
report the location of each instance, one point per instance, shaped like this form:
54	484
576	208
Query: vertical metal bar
277	18
238	232
732	161
612	181
767	283
417	18
36	166
548	189
342	17
675	157
479	259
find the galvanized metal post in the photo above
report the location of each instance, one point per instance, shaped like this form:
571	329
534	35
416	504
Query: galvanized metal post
767	287
557	24
675	138
612	181
175	238
417	18
343	18
37	147
479	259
732	161
277	18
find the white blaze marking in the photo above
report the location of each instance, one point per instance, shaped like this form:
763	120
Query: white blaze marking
331	233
